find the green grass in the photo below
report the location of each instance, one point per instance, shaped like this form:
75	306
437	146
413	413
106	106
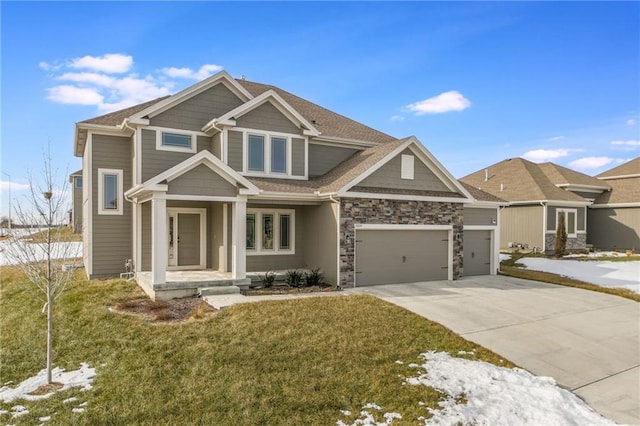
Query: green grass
269	363
513	268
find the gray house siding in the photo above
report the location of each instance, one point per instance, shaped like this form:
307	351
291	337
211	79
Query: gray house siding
194	113
76	215
111	234
551	217
476	216
234	154
297	157
388	176
267	117
257	263
155	162
216	145
320	239
202	181
614	228
323	158
146	236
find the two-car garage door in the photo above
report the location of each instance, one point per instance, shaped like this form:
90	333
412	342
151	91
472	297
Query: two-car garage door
399	256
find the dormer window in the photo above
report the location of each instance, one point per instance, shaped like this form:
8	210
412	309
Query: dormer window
267	154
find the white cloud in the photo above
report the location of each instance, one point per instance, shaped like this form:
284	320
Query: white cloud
542	155
88	77
112	63
14	186
202	73
49	67
397	118
626	144
590	162
74	95
555	138
631	122
444	102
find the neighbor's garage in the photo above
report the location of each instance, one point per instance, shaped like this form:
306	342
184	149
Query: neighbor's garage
477	252
401	256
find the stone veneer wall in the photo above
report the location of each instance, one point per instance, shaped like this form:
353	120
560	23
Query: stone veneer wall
375	211
577	243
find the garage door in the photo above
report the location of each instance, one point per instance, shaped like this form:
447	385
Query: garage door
399	256
477	253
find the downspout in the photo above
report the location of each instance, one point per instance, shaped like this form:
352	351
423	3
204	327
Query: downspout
543	249
129	266
214	124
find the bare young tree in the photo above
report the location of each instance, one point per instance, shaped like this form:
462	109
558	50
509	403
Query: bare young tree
41	256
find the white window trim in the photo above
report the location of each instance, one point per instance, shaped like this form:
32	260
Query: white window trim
101	208
267	135
259	251
407	167
566	221
160	147
77	179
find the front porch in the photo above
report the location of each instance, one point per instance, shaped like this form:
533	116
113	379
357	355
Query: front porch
190	283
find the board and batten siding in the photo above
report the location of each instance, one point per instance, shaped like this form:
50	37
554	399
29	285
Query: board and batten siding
320	239
522	224
197	111
268	118
272	262
388	176
297	157
477	216
234	150
323	158
156	161
202	181
551	217
111	234
614	228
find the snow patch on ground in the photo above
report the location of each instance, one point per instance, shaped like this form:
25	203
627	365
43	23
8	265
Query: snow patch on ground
497	395
604	273
82	378
9	251
369	418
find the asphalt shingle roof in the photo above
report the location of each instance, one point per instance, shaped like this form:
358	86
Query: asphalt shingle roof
117	117
629	168
623	191
481	195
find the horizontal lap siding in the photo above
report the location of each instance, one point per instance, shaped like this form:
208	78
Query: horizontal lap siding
202	181
234	154
320	239
480	216
617	228
111	234
267	117
146	236
323	158
388	176
155	162
194	113
297	157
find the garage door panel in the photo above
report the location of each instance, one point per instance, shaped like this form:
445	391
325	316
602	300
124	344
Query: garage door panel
396	256
477	253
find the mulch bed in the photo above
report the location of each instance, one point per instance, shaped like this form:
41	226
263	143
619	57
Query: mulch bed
166	311
285	289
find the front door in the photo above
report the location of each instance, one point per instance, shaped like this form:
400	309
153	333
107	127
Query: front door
186	239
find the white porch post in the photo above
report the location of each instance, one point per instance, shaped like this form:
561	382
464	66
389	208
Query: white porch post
158	238
239	238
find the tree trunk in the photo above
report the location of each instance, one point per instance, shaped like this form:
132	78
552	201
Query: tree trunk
49	336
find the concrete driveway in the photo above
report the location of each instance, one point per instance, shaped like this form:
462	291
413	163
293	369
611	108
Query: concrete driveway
588	341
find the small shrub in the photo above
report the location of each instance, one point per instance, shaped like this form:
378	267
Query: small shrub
268	279
294	278
313	278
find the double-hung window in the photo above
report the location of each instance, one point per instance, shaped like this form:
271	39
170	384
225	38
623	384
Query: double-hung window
110	192
270	231
267	154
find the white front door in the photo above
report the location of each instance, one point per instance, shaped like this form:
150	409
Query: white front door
187	238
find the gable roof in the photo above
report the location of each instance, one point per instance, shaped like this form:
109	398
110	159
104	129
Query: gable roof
116	118
520	180
630	168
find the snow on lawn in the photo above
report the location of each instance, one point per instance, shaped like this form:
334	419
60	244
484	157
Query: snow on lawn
77	378
476	392
604	273
59	251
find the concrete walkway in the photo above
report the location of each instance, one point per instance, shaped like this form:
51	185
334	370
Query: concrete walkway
588	342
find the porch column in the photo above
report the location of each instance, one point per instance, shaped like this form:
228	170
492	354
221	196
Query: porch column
239	238
158	239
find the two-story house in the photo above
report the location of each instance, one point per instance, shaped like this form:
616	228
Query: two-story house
230	177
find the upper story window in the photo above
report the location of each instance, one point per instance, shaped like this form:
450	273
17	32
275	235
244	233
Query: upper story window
267	154
77	181
110	191
175	140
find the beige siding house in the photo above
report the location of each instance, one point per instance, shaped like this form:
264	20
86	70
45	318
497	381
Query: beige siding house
75	214
613	220
537	195
228	178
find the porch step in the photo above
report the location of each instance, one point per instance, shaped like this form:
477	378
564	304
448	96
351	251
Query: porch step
218	290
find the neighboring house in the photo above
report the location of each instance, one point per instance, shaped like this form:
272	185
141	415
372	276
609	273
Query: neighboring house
613	221
238	177
75	216
538	194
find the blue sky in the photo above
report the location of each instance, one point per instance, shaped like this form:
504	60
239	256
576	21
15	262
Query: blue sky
475	82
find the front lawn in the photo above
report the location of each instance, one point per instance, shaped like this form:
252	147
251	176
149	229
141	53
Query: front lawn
285	362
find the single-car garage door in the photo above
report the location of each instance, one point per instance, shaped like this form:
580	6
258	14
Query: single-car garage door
401	256
477	253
